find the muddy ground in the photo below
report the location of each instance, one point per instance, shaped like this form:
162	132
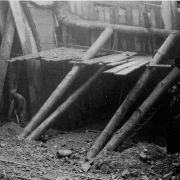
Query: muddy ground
37	160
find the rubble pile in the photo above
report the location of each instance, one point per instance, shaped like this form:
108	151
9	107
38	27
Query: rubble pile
64	157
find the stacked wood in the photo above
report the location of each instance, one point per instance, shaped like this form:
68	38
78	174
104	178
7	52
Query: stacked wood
133	121
165	52
5	49
62	87
43	127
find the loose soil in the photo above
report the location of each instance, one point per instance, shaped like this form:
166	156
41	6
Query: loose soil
35	160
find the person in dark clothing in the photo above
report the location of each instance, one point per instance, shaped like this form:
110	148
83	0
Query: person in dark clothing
20	106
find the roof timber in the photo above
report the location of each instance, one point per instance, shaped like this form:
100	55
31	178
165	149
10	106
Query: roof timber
72	20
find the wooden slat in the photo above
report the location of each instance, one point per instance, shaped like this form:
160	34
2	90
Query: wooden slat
132	68
121	67
136	22
107	18
129	37
109	59
128	60
2	18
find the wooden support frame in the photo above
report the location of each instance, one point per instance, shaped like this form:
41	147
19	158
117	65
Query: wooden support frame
165	52
5	49
67	81
128	127
43	127
71	20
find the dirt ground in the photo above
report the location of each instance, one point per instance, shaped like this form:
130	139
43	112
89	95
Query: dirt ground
37	160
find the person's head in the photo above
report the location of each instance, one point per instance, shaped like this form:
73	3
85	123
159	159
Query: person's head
13	92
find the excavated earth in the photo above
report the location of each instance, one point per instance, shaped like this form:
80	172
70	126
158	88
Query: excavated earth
35	160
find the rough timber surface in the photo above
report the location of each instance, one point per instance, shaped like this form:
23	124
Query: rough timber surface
57	54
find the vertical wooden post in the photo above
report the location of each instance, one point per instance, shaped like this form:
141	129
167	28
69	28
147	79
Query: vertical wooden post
5	49
2	18
172	42
62	87
166	14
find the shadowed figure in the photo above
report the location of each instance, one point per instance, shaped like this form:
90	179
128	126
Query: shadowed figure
20	105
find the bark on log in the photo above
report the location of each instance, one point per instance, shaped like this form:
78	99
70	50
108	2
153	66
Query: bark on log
28	46
133	121
2	18
76	21
70	77
5	49
43	127
168	50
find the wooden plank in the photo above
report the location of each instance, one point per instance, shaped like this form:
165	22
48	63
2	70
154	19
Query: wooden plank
136	22
129	38
3	18
91	17
28	46
79	8
174	11
72	6
126	65
142	24
167	15
5	49
107	18
109	59
132	68
85	14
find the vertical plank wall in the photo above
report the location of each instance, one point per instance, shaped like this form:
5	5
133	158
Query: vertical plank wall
142	14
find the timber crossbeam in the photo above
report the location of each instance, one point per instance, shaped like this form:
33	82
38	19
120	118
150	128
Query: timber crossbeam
72	20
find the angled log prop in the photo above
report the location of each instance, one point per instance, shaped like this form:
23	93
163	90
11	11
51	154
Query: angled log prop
70	77
43	127
28	46
5	49
133	121
168	50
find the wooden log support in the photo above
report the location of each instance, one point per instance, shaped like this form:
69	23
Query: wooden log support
163	53
160	66
5	49
133	121
76	21
43	127
62	87
2	19
28	46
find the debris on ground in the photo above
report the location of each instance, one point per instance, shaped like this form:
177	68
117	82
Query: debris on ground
63	156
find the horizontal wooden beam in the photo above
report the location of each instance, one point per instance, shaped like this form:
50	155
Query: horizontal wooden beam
160	66
72	20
